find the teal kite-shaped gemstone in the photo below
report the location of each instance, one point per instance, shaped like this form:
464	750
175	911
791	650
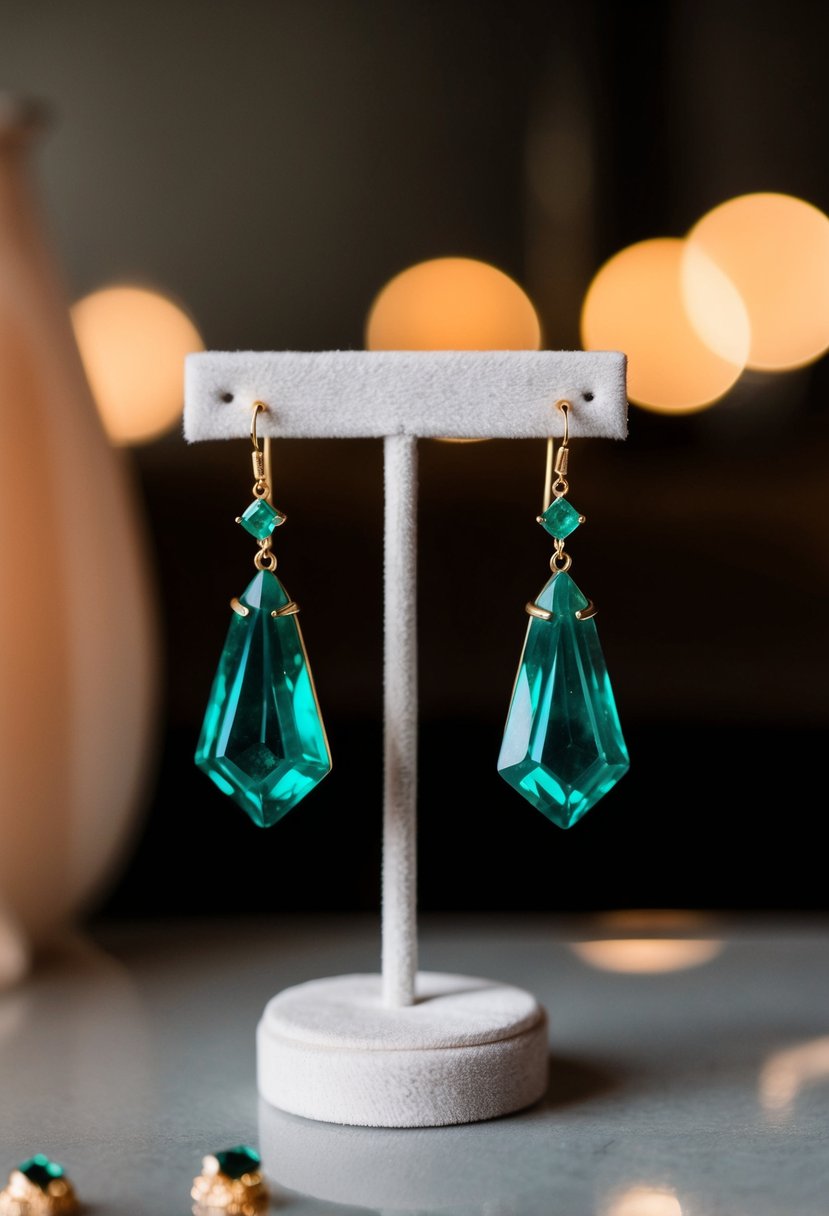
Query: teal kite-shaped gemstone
563	747
262	740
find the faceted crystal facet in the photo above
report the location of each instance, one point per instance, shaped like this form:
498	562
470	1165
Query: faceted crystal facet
238	1161
560	519
563	746
41	1171
263	741
260	519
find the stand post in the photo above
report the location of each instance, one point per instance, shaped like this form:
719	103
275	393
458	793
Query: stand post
399	950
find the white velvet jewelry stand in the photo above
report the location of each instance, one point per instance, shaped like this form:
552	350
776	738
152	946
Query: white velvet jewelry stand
403	1049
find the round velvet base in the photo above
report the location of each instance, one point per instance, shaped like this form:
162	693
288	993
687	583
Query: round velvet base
468	1049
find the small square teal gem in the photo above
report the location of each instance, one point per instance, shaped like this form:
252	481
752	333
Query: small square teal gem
41	1171
560	519
238	1161
261	518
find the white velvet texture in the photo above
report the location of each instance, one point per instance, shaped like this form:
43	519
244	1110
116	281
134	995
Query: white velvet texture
400	718
467	1050
461	394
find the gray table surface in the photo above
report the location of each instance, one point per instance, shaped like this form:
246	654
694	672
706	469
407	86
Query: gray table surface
701	1091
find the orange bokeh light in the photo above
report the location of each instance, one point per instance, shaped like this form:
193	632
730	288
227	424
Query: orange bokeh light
133	342
644	1201
788	1071
775	250
647	955
452	304
637	304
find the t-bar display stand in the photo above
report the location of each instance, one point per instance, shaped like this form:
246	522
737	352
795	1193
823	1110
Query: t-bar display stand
404	1048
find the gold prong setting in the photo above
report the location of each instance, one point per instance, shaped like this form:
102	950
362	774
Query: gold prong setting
543	614
535	610
238	607
290	609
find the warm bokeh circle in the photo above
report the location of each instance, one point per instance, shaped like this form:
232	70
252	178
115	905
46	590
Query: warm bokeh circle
452	304
133	343
775	250
637	304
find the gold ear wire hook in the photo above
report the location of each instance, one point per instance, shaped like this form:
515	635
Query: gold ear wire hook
564	407
259	407
548	475
261	457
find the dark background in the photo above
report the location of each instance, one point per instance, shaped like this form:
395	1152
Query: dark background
272	165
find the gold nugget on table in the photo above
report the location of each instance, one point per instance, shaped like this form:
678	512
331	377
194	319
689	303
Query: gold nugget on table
231	1183
38	1187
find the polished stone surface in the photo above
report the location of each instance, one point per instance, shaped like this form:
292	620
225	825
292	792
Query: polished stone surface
702	1090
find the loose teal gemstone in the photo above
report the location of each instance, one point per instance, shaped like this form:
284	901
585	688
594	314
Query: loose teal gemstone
563	747
261	519
238	1161
560	519
262	740
41	1171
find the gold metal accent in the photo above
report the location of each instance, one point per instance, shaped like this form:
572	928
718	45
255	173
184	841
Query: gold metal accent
258	408
268	468
560	561
584	614
260	457
213	1192
290	609
542	614
560	486
239	608
559	465
564	406
265	559
238	519
21	1197
548	475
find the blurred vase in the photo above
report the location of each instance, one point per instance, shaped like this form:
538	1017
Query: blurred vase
77	627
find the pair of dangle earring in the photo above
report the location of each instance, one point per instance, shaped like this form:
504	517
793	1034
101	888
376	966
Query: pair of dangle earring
263	741
563	747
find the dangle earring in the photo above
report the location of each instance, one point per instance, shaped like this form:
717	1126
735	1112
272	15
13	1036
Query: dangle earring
262	740
563	747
